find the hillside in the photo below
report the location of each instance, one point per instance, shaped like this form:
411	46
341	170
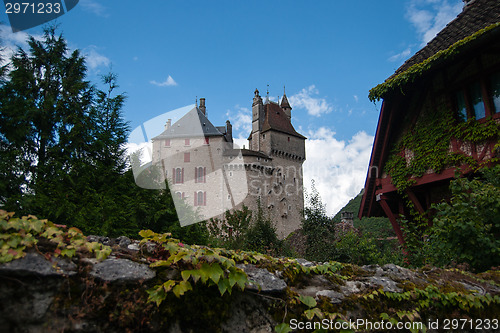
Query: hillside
378	227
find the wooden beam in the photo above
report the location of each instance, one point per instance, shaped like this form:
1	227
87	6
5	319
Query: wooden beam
385	206
415	201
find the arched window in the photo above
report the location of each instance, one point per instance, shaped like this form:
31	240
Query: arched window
200	174
200	198
178	174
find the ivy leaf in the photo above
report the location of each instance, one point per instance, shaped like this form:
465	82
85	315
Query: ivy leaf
157	295
308	300
313	312
167	286
195	274
146	233
213	271
224	286
282	328
238	277
181	288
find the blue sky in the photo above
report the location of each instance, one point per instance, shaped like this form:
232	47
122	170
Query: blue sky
328	54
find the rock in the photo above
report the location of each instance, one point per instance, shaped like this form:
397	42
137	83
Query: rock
123	241
133	247
34	263
304	262
121	270
387	284
100	239
335	297
268	282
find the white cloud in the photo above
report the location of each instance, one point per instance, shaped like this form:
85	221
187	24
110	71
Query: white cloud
241	119
304	100
11	41
337	167
356	98
431	16
94	59
169	81
94	7
400	56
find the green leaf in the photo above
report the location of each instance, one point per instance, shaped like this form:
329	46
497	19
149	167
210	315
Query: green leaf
156	294
181	288
308	300
213	271
224	286
313	312
282	328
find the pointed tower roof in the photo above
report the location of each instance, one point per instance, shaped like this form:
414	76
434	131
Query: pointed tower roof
284	102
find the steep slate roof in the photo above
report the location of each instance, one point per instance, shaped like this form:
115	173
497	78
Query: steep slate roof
476	15
277	120
192	124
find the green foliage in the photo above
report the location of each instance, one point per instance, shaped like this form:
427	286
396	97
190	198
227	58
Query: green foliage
318	228
239	231
261	236
467	229
19	234
361	249
231	232
197	265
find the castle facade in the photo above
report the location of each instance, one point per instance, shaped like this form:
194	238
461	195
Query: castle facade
206	172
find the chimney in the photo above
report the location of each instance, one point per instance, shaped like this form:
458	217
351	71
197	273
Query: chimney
229	131
203	108
168	124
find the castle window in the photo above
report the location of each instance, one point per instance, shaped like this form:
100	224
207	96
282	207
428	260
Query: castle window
263	136
200	198
229	197
200	175
167	142
288	139
187	157
178	174
187	142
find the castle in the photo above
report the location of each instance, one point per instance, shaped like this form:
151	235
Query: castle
206	172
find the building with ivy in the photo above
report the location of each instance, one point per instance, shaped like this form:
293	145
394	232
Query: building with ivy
440	117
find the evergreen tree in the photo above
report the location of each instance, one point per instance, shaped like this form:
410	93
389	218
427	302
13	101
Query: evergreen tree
62	149
44	120
318	228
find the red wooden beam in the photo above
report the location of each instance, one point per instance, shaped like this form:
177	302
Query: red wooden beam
392	218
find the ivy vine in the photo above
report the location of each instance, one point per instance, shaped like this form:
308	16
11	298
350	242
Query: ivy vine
18	234
428	147
417	70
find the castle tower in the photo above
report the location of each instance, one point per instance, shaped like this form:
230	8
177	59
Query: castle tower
257	121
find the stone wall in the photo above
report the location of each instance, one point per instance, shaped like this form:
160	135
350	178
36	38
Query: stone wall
41	293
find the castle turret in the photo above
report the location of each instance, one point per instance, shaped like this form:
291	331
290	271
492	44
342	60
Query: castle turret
286	106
